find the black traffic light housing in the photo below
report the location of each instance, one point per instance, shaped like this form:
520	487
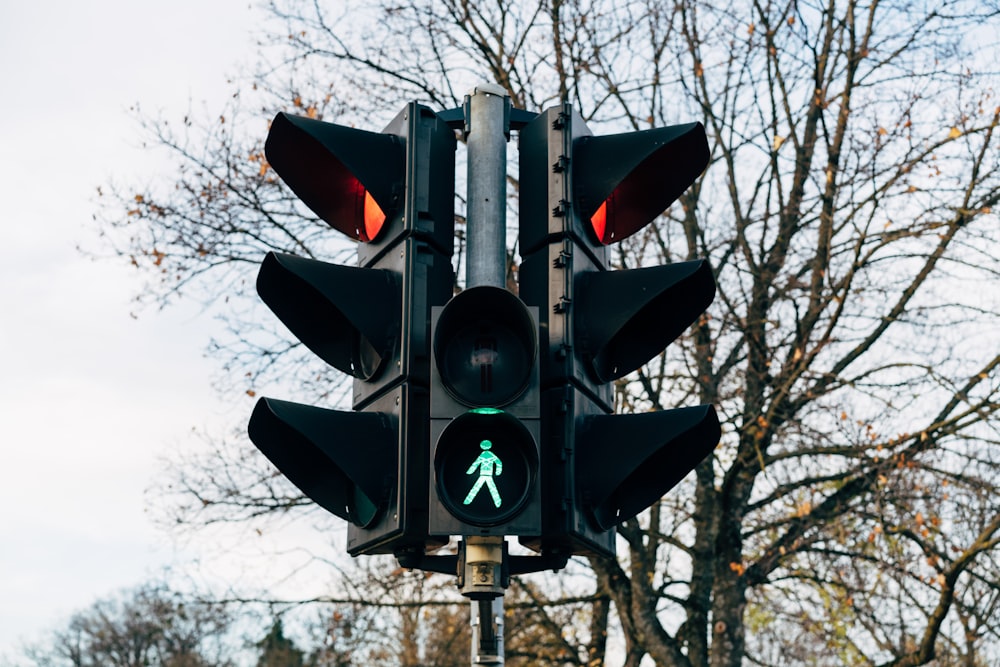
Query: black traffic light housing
484	413
372	186
332	312
485	416
578	193
394	192
296	438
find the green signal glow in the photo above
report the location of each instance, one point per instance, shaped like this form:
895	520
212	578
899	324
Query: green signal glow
486	411
489	464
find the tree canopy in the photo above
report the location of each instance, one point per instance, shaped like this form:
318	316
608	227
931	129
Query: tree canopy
149	626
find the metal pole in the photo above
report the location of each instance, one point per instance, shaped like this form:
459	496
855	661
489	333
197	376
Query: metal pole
487	632
486	232
483	581
487	112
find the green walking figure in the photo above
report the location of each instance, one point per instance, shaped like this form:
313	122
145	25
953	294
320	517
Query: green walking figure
487	462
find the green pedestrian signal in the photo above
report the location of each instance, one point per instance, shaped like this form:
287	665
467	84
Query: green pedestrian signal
484	412
485	466
488	464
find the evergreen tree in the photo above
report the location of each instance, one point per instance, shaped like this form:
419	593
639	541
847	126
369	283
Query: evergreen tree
277	650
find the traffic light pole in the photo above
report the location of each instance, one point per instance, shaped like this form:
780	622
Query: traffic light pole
488	109
487	632
484	581
484	567
465	407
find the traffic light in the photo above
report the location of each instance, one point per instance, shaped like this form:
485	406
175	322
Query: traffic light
485	416
393	191
578	193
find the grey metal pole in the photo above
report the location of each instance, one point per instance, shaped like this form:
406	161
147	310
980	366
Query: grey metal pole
487	632
486	264
483	582
486	231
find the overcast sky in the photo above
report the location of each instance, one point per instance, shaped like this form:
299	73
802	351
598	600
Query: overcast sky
90	396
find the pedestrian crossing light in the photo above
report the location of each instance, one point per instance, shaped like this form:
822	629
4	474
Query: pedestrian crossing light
485	461
484	415
488	461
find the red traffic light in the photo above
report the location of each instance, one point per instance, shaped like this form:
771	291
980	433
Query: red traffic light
621	182
353	179
374	218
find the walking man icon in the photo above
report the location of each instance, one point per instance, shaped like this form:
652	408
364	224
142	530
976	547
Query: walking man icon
489	464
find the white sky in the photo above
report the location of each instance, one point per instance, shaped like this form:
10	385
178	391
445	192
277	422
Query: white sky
90	397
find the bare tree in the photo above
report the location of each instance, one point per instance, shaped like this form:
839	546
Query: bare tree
149	626
849	514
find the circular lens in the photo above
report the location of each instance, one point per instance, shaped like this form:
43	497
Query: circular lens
363	511
485	465
366	361
485	346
